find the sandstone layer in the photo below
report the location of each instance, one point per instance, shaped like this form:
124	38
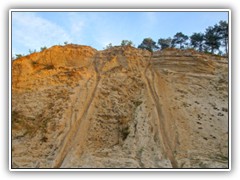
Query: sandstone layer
76	107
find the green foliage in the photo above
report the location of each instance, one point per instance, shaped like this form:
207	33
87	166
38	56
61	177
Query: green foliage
212	39
222	29
43	48
164	43
148	44
65	42
126	43
180	40
32	51
197	41
217	36
19	56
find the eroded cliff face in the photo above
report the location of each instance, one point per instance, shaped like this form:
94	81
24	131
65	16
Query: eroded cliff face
76	107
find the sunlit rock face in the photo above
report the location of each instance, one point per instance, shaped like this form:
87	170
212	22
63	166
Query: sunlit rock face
76	107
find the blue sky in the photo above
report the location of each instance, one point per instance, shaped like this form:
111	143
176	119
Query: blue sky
32	30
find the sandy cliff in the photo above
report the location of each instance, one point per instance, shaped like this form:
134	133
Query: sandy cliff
76	107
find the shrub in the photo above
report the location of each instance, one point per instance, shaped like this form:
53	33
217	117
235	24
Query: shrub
126	43
43	48
19	56
32	51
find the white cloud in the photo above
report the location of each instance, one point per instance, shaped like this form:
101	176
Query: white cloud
29	31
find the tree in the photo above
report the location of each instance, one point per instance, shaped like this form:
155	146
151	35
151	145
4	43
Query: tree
197	41
126	43
222	29
180	39
212	39
164	43
65	42
109	46
148	44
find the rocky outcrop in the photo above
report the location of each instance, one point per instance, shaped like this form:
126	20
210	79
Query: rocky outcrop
76	107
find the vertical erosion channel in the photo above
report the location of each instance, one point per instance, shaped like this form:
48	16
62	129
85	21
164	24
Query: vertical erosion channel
161	119
75	127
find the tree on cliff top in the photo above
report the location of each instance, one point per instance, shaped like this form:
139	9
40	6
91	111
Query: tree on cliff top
223	34
212	39
197	41
180	39
126	43
165	43
148	44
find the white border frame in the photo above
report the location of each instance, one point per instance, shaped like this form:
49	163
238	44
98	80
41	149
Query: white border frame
121	10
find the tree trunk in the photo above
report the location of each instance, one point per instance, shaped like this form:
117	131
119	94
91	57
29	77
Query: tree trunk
200	48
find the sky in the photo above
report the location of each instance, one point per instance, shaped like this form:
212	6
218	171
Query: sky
33	30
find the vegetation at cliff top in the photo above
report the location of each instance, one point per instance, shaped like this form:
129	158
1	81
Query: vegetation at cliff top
214	41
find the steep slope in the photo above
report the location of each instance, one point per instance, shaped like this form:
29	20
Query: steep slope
76	107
